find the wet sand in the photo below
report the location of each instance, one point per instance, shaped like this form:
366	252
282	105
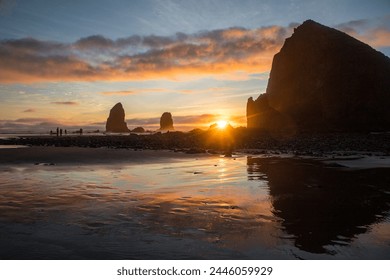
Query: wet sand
83	156
100	203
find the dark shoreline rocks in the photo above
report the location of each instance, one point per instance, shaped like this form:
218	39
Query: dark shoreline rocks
311	144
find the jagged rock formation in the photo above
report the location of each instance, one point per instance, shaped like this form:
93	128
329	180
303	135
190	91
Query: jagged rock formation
324	80
261	115
116	120
166	121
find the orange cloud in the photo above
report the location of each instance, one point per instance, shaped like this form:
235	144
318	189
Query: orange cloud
376	35
134	91
29	111
65	103
121	93
206	90
233	52
218	52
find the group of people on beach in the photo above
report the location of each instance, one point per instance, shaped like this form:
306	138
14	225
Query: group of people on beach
59	132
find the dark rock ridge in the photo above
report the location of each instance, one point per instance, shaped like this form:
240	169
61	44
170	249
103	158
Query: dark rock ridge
166	121
116	120
324	80
138	129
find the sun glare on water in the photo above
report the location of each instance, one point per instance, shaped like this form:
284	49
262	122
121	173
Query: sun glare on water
222	124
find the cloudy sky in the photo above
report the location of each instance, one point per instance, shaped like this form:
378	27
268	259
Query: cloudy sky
68	62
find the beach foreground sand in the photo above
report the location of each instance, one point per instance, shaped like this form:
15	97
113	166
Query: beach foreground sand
79	156
106	203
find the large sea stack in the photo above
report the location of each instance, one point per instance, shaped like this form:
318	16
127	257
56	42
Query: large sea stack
166	121
116	120
324	80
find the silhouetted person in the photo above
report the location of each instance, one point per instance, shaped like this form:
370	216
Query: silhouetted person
81	131
61	132
58	131
66	132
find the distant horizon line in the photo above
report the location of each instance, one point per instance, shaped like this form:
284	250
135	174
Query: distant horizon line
101	128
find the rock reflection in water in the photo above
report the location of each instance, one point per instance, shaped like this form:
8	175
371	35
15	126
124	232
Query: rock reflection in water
321	205
210	208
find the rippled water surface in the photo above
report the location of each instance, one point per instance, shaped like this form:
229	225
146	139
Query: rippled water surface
207	208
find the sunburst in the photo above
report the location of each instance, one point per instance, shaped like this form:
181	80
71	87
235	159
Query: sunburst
221	124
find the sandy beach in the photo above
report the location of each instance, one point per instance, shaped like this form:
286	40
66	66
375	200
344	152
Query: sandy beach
104	203
87	156
68	156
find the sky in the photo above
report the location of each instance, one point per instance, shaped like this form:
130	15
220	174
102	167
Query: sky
67	63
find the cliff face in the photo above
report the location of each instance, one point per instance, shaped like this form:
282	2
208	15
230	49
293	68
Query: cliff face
261	115
116	120
324	80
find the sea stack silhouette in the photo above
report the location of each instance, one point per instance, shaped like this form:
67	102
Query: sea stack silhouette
116	120
324	80
166	121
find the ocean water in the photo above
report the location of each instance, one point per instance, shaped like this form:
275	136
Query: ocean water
205	208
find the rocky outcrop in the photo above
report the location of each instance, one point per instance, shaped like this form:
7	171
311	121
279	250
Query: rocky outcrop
138	129
166	121
324	80
116	120
262	116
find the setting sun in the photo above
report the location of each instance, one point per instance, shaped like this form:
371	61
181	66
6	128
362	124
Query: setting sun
222	124
184	130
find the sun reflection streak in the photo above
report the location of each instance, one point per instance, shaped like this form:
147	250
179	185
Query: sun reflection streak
255	206
222	170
